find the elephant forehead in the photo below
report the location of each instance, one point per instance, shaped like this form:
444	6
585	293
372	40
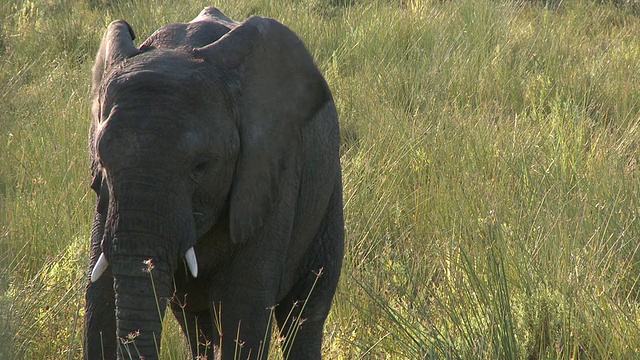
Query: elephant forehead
168	74
126	136
152	87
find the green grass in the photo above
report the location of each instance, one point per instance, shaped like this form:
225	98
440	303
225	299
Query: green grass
490	149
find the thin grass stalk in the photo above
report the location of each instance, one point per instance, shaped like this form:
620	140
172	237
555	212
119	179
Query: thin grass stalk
149	269
238	345
186	323
217	319
263	346
73	333
102	345
297	321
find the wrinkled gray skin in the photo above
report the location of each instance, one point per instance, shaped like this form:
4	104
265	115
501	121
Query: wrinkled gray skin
221	136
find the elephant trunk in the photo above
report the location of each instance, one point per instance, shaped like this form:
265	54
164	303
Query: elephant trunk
142	291
146	249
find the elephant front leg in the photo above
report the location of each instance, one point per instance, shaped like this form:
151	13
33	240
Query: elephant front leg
197	327
302	330
190	306
242	332
241	309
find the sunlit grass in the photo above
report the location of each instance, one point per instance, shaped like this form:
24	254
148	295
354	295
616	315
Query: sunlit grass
490	152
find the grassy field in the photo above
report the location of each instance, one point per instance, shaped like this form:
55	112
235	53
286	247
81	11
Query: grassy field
491	158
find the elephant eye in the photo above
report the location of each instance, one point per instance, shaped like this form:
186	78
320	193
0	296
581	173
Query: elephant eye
202	166
200	169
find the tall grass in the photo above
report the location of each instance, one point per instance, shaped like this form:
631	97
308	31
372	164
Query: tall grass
490	152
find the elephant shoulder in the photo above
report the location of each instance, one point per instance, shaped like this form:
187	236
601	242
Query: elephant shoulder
324	122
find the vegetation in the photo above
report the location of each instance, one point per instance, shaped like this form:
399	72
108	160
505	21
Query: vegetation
491	157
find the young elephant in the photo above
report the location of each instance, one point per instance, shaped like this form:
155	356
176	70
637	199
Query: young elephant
214	149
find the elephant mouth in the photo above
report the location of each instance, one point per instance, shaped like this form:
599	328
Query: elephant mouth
204	220
102	264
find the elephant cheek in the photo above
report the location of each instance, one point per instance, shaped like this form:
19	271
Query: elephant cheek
203	222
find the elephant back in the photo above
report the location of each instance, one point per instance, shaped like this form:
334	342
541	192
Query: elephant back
190	35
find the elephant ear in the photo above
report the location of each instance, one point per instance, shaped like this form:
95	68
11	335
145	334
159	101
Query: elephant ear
117	45
280	91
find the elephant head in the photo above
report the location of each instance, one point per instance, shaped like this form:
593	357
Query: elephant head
192	128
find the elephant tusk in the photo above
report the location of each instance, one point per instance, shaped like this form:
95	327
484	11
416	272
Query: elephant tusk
192	263
100	267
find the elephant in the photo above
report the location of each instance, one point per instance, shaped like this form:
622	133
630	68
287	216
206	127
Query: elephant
214	152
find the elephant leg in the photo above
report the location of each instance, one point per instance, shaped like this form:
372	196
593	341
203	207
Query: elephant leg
301	323
301	336
245	330
241	308
303	311
198	328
